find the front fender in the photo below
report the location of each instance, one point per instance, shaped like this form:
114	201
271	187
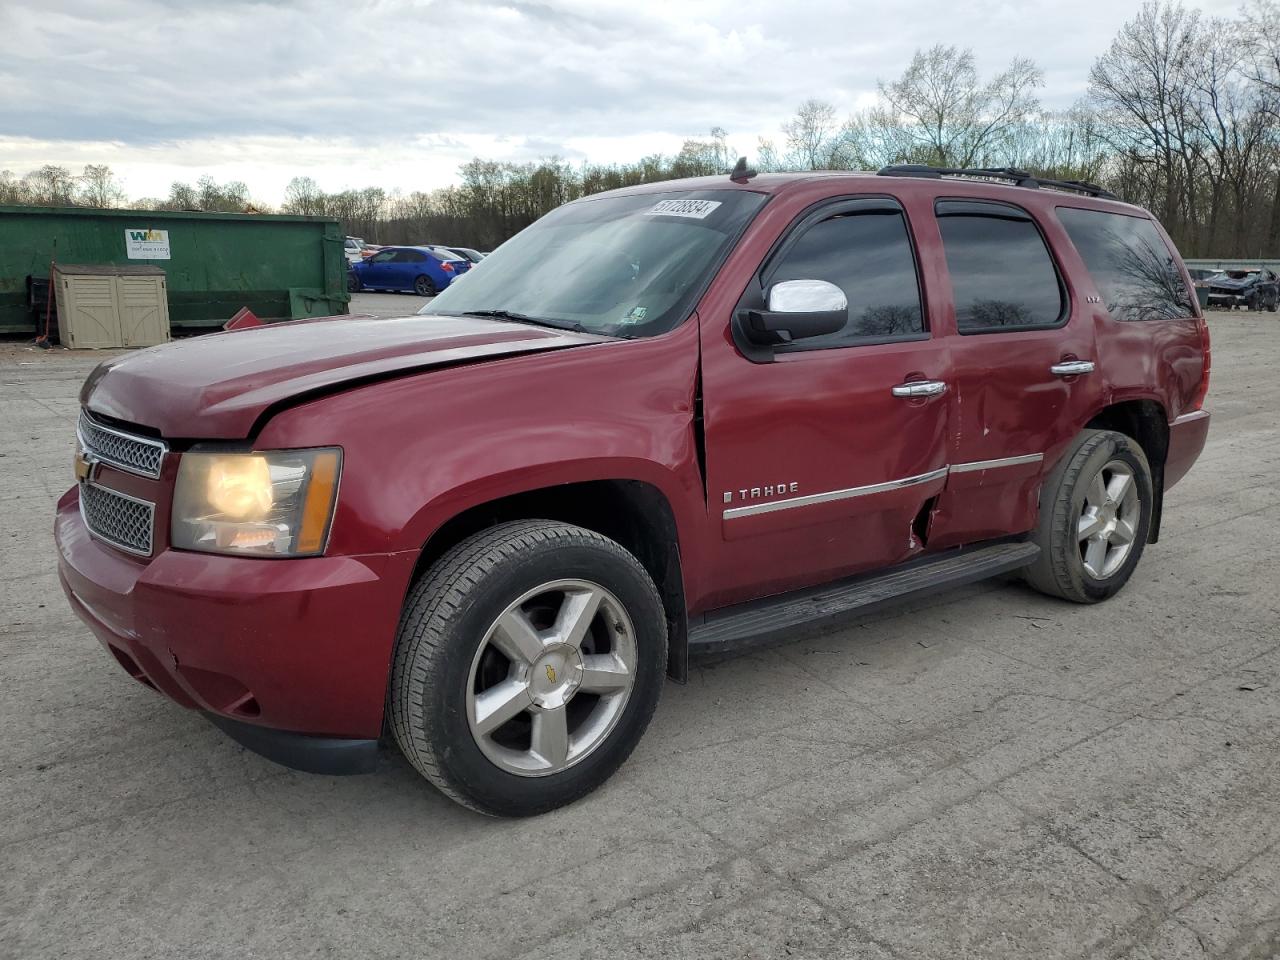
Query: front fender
682	491
422	449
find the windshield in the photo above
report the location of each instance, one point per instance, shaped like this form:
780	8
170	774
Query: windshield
620	266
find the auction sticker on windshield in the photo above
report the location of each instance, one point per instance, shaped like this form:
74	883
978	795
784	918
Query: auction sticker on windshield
693	209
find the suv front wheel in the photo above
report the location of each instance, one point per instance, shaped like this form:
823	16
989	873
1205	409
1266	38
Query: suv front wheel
1095	514
529	662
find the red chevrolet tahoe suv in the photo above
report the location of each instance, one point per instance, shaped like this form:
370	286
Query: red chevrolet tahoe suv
675	418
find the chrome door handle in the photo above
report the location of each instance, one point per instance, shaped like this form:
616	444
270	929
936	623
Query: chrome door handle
920	388
1071	368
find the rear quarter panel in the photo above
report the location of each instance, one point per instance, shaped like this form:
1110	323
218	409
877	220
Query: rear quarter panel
1158	360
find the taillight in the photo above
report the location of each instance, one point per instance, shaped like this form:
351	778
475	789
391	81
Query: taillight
446	266
1198	400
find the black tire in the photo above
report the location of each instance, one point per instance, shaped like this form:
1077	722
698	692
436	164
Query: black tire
1060	569
353	282
1274	302
447	615
424	286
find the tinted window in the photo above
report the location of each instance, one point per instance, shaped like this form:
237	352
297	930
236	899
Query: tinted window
1001	272
868	256
410	256
1130	263
384	256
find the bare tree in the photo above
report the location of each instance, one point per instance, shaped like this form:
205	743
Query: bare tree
767	159
1143	85
12	189
813	141
98	187
939	111
1259	35
51	185
704	157
1063	145
230	197
303	196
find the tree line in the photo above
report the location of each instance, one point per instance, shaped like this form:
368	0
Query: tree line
1182	116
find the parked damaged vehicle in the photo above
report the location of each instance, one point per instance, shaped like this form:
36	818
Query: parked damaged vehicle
1256	288
672	420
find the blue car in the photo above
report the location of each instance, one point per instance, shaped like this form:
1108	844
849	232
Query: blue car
424	270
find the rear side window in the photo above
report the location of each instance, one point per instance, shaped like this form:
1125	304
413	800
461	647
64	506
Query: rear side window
411	256
1002	275
867	255
1130	263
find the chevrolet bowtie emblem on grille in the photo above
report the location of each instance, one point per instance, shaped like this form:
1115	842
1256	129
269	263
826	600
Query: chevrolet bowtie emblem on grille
551	673
84	465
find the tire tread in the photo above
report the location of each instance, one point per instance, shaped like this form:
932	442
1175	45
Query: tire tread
433	603
1051	573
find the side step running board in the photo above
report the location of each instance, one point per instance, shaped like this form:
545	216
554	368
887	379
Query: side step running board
774	619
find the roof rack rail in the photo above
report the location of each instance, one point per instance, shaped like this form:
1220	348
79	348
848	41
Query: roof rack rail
1019	178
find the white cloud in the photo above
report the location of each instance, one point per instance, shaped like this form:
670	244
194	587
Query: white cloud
399	92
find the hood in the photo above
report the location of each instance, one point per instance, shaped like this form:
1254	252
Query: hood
1230	283
217	386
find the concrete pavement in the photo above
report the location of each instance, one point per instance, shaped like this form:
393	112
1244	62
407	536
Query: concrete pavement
988	774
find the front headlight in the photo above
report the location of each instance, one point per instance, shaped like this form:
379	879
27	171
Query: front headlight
277	503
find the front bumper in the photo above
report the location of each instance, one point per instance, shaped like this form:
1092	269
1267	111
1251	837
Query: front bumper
336	756
298	646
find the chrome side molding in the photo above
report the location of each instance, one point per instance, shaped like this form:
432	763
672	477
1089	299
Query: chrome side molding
974	465
848	493
791	503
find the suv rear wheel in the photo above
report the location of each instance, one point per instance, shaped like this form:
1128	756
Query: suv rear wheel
1095	513
529	662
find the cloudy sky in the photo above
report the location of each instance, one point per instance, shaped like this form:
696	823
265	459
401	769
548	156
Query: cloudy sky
397	93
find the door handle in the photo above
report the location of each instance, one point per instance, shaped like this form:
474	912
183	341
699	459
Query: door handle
1071	368
920	388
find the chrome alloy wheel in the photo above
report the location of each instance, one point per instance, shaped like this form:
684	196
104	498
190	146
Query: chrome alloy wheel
551	678
1109	520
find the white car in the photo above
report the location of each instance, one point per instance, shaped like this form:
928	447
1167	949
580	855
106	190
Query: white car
353	247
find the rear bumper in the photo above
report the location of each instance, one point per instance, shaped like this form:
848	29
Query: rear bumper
302	646
1187	435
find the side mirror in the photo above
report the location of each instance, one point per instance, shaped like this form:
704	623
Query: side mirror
797	309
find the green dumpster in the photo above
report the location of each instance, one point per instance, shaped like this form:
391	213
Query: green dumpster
280	267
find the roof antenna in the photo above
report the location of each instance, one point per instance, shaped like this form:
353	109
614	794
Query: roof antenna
741	172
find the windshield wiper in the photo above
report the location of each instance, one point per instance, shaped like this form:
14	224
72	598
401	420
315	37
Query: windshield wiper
511	316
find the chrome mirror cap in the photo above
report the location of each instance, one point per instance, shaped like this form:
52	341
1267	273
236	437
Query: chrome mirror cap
806	296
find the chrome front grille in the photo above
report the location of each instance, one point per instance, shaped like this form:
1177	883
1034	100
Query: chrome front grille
120	520
128	451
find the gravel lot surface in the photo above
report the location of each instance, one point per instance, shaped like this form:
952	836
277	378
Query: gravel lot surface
989	774
388	304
